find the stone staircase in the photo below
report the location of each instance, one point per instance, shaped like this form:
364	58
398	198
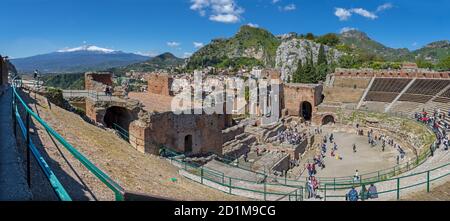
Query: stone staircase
239	145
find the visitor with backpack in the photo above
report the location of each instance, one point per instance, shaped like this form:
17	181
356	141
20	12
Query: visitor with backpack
352	195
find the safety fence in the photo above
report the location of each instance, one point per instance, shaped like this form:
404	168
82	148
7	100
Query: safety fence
95	95
257	185
383	174
31	150
124	134
388	189
254	187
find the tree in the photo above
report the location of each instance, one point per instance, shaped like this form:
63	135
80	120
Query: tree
331	40
421	63
322	58
310	36
444	64
298	73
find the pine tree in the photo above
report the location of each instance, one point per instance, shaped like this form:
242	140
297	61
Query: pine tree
321	58
298	73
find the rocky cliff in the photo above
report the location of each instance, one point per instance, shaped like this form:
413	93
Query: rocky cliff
292	50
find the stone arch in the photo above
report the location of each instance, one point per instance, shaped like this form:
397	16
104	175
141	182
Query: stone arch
118	116
188	143
306	110
327	119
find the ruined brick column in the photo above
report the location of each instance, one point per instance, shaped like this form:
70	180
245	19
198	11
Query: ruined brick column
139	138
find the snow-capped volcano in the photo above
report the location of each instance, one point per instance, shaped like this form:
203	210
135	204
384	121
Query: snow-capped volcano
79	59
91	48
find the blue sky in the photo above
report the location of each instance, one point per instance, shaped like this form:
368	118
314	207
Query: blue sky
33	27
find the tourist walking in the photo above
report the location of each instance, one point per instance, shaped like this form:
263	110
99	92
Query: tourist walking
356	176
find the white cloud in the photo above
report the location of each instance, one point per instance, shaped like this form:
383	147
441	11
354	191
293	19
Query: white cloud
253	25
343	14
384	7
346	29
225	11
187	54
364	13
225	18
275	1
290	7
173	44
198	44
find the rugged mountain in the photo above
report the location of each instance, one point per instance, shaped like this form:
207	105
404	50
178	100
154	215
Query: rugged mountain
293	49
249	45
161	62
363	43
81	59
434	52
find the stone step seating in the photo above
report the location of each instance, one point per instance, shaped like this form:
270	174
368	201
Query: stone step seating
389	85
428	86
386	89
418	98
446	94
380	96
405	107
442	100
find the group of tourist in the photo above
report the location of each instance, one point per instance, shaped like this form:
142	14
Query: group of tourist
290	136
434	121
373	139
364	194
312	187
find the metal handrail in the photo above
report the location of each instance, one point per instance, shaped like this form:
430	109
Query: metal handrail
111	184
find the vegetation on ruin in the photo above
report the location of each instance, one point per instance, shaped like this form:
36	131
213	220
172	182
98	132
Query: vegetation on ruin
65	81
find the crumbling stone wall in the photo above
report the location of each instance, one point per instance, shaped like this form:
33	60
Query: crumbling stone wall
402	73
98	81
160	84
230	133
295	94
3	72
169	130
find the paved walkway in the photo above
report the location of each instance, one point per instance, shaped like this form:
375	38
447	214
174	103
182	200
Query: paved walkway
13	185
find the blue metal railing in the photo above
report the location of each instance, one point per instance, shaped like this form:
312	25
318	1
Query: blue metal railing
32	150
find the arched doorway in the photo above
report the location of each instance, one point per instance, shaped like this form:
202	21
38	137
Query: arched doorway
306	110
329	119
118	118
188	144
